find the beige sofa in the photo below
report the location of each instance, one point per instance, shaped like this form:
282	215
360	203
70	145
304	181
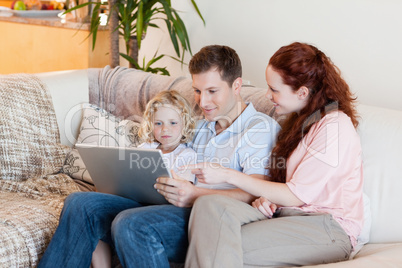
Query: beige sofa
380	131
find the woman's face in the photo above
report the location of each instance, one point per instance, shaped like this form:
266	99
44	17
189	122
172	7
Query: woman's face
283	97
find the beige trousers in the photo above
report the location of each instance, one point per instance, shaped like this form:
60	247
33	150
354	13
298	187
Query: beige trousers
225	232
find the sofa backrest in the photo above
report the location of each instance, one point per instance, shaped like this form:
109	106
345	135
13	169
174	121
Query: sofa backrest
69	89
125	92
380	132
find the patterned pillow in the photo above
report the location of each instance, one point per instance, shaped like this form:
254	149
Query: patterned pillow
29	134
99	127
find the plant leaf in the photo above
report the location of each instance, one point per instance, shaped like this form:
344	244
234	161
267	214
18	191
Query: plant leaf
95	22
182	33
131	60
153	60
198	11
173	37
78	7
140	21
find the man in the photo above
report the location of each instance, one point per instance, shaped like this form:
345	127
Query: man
233	134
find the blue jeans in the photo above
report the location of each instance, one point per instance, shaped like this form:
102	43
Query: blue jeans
143	236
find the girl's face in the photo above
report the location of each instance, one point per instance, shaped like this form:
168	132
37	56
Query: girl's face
284	98
168	126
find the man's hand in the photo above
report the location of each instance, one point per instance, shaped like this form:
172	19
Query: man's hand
267	208
177	191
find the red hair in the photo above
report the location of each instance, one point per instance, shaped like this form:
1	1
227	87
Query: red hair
300	65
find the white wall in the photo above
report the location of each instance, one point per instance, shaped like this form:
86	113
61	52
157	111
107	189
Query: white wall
362	37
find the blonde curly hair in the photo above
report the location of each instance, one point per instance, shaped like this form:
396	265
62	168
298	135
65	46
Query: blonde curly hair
163	98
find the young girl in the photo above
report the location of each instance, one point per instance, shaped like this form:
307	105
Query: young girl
167	125
310	208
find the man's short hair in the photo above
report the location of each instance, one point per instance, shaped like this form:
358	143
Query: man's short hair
223	58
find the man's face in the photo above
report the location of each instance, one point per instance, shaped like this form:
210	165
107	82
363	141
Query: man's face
214	96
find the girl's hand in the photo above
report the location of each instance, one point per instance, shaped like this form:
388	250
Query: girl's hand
210	173
264	206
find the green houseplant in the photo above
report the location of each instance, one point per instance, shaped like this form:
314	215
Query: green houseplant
131	19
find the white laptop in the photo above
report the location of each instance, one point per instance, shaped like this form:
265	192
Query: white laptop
127	172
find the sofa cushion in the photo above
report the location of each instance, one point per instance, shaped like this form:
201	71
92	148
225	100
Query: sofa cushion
372	255
69	89
29	216
29	135
99	127
380	132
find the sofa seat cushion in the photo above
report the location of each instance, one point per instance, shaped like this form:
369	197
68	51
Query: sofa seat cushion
29	216
371	255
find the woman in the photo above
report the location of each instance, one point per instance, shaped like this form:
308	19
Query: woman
310	208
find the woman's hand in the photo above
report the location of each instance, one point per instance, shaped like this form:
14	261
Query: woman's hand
211	173
264	206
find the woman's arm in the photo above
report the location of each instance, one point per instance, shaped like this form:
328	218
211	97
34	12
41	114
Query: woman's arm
275	192
182	193
278	193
